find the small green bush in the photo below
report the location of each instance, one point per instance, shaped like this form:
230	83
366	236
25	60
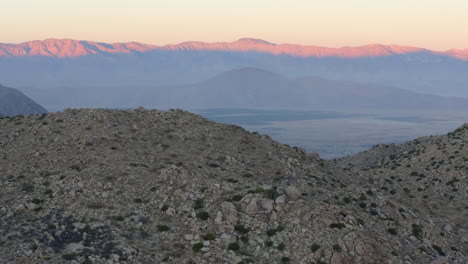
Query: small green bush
69	256
337	248
273	231
28	187
337	225
75	167
198	204
209	237
314	247
281	246
197	247
392	231
94	205
417	230
438	249
163	228
203	215
237	198
234	246
241	229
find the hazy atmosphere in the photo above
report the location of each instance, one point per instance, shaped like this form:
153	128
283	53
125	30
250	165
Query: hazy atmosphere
236	132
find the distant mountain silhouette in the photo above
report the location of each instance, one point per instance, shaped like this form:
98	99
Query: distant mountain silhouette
56	63
252	88
13	102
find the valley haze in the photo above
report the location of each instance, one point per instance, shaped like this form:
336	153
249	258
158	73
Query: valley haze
56	63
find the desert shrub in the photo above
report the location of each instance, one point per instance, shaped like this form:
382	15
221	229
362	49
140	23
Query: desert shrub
237	198
241	229
27	187
273	231
75	167
209	237
163	228
281	246
69	256
337	247
197	247
198	204
438	249
234	246
314	247
203	215
248	175
392	231
337	225
417	230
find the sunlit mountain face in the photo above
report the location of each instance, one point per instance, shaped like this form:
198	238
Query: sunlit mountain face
65	48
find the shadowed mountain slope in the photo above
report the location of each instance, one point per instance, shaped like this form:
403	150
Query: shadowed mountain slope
251	88
13	102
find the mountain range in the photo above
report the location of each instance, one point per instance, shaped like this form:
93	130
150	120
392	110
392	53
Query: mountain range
64	48
251	88
76	64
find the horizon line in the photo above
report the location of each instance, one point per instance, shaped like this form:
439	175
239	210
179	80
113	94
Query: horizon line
263	41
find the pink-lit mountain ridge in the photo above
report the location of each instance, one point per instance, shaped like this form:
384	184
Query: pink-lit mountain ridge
68	48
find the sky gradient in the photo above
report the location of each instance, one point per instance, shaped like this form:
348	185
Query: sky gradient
437	25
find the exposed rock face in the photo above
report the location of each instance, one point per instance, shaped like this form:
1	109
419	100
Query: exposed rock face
145	186
13	102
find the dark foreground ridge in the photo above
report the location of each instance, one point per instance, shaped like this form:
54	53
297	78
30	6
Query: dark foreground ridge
146	186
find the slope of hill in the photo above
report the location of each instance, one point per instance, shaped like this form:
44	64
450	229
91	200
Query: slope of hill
428	173
252	88
57	63
13	102
145	186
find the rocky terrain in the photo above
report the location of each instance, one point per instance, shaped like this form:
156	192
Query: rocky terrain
13	102
146	186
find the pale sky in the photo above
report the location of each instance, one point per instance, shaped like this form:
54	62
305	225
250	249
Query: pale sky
433	24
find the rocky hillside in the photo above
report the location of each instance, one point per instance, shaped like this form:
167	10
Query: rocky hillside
13	102
429	174
145	186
